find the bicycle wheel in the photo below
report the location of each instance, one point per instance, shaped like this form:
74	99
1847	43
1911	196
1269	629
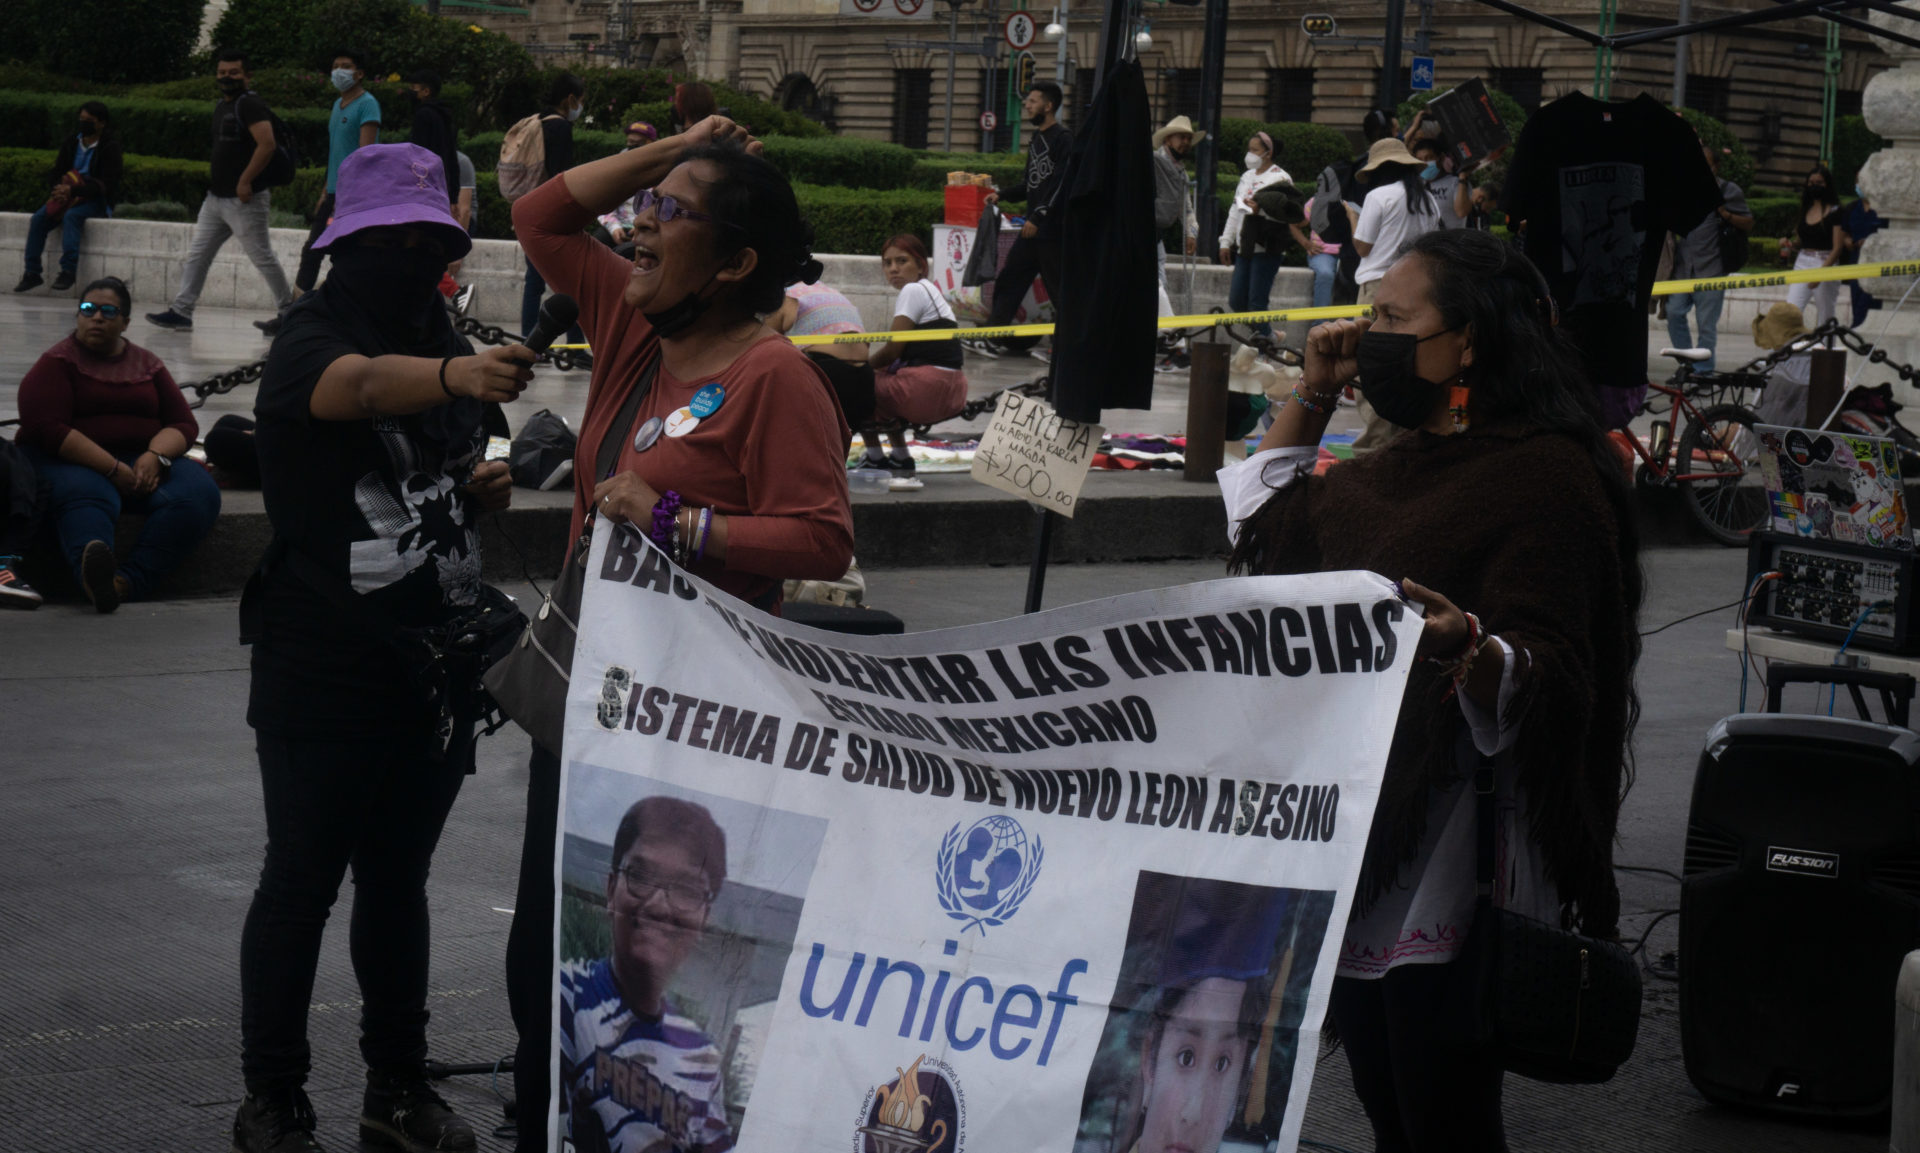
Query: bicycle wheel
1717	467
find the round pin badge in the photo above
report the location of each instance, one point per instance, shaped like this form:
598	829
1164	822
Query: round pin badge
681	422
707	401
647	433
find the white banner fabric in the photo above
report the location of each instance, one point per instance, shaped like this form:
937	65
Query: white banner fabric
1070	882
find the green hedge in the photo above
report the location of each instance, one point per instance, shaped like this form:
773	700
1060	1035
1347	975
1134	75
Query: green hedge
179	129
842	161
23	181
1763	254
1735	164
930	172
286	89
1305	149
1774	215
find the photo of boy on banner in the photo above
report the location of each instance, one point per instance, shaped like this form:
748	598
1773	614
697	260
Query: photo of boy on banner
1203	1030
669	965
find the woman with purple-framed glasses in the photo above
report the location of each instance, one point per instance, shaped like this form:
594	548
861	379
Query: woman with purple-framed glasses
737	450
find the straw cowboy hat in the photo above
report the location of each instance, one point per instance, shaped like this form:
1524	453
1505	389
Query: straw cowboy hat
1779	325
1387	150
1177	125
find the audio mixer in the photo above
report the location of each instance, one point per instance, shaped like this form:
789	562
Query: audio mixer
1825	587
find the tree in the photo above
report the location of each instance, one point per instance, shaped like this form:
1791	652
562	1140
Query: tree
116	41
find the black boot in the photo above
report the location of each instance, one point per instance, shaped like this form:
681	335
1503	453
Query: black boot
275	1123
401	1111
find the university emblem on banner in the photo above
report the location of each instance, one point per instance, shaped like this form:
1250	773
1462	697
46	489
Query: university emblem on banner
919	1111
984	871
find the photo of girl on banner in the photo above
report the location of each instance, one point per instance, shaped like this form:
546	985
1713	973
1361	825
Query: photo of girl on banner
670	960
1201	1037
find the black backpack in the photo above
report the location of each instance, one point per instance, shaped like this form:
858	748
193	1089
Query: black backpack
286	156
1733	247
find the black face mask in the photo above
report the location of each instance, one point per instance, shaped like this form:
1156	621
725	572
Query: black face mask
398	287
231	85
1389	380
1814	194
677	318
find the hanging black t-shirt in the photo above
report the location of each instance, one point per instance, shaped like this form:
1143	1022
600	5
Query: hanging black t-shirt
1109	295
376	503
1599	186
233	143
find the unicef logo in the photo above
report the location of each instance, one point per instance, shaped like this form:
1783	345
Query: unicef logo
985	871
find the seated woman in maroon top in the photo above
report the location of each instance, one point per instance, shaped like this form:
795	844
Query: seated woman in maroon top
738	423
107	431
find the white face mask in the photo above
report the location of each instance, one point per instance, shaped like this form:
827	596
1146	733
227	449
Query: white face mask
574	112
1253	160
342	79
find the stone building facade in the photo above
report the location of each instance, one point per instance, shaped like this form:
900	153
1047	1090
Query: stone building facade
885	79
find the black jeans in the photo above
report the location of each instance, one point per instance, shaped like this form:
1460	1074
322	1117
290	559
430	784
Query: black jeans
376	805
1422	1093
1030	256
530	954
309	274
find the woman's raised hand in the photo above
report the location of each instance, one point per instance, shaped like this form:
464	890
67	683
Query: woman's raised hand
720	130
1332	356
1445	630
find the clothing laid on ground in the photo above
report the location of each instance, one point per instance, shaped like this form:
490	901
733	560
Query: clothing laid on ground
1389	222
923	305
771	458
375	502
635	1083
1272	235
84	506
118	402
233	142
1599	185
343	130
1103	342
1540	564
433	131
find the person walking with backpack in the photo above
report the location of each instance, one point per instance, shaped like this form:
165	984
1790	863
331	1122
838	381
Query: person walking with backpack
565	100
354	123
84	178
1711	249
238	200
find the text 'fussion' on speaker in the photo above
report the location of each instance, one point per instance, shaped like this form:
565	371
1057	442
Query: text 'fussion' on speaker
1801	898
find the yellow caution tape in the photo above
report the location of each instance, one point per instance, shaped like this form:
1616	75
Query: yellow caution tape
1342	311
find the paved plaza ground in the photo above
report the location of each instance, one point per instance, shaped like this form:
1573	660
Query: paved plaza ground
132	836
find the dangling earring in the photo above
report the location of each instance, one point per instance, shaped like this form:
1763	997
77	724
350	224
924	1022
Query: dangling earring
1457	397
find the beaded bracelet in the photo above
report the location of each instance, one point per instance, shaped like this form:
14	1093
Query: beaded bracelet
663	519
1320	408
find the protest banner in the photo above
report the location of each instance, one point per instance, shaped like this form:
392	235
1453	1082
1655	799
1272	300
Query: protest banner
1066	883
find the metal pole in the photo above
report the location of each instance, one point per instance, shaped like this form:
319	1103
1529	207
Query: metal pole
1213	71
1603	55
1829	94
1060	54
953	37
1682	57
1390	56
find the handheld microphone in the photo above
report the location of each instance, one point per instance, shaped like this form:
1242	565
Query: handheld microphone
557	315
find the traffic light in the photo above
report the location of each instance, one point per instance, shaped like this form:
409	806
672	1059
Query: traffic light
1318	24
1023	76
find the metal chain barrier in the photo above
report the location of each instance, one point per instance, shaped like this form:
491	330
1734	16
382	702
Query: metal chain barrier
1834	330
225	382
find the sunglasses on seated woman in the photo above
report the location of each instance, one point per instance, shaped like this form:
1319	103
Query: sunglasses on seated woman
89	310
670	209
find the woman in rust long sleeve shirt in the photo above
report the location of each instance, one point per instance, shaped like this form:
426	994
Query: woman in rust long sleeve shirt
738	422
107	430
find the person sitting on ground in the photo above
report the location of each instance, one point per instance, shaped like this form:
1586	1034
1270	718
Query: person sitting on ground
84	178
915	382
1463	351
106	428
626	1044
820	310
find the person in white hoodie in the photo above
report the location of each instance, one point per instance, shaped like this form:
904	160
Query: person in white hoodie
1252	241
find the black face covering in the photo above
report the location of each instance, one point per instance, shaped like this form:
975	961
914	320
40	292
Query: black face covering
1813	194
1389	380
396	286
231	85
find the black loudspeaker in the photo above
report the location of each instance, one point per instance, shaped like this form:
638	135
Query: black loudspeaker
1801	898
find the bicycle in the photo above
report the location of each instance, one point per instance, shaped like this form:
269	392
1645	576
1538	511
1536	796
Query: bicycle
1718	449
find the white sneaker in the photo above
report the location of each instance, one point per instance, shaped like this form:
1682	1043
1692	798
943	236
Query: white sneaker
14	592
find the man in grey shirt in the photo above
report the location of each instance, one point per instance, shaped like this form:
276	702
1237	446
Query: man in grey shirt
1696	256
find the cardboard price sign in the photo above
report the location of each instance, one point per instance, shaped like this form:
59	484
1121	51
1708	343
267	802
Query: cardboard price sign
1033	452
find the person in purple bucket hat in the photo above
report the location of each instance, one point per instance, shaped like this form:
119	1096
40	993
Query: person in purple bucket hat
372	463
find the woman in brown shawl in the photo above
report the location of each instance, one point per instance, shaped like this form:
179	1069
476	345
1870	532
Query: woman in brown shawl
1505	503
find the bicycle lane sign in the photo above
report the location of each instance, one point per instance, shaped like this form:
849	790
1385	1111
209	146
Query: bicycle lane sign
1033	452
